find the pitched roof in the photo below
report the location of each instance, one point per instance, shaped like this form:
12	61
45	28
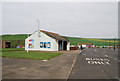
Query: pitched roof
54	35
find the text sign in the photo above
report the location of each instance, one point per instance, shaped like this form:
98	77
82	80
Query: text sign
98	61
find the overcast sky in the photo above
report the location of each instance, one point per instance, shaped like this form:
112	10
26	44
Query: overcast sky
75	19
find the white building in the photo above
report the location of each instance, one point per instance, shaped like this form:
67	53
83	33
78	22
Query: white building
46	41
86	45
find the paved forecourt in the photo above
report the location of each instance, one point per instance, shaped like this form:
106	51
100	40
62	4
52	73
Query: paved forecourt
55	68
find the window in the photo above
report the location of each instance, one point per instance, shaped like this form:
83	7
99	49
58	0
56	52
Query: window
45	45
48	44
41	44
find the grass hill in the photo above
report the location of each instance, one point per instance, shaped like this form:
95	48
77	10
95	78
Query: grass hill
73	40
97	42
14	37
17	39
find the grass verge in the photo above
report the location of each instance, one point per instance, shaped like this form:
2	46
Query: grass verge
30	55
13	49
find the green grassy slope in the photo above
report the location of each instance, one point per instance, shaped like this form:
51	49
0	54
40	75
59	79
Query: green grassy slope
17	39
14	37
97	42
73	40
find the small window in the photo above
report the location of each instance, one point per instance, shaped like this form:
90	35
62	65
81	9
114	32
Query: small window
48	44
44	44
41	44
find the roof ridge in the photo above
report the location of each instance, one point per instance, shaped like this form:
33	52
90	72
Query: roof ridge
48	32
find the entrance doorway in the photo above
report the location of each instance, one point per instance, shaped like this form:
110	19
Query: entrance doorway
8	44
62	45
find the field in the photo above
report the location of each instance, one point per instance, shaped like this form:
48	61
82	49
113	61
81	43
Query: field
14	37
20	53
97	42
73	40
18	39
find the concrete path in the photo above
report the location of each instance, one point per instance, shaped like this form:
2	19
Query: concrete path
56	68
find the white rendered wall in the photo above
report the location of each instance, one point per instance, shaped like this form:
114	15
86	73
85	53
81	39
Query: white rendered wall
83	45
68	46
42	38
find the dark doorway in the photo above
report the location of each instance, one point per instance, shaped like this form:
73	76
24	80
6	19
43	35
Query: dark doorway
7	45
60	45
65	45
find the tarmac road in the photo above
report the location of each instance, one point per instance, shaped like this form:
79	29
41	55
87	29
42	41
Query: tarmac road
96	63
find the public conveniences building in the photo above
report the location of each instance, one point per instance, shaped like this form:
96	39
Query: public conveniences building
46	41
